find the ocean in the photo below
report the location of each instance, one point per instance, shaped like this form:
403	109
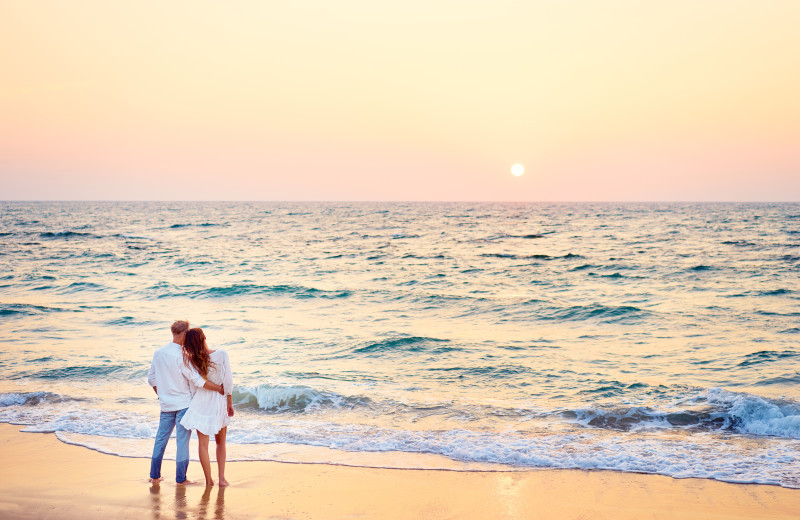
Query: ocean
654	338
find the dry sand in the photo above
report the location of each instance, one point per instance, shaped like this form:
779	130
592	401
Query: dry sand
44	478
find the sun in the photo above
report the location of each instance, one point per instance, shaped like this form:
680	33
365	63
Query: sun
517	170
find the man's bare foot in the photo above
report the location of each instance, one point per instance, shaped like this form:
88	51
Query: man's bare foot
155	480
186	482
223	482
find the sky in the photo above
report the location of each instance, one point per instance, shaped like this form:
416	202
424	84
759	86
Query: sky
612	100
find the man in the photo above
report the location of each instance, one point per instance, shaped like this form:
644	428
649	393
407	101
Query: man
168	379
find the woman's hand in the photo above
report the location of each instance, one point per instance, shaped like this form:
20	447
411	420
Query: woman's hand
222	389
230	410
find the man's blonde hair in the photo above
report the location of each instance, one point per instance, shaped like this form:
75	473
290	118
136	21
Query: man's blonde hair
179	326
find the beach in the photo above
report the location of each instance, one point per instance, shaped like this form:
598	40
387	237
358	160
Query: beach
45	478
499	260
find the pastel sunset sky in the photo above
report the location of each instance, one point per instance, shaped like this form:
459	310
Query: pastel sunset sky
400	100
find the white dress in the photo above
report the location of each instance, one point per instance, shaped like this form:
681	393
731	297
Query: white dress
208	411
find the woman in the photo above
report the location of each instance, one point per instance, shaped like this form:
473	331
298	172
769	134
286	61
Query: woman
209	412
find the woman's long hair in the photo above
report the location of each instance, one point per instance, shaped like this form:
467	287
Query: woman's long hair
195	352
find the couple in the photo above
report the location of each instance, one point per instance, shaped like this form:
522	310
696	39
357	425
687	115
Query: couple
194	387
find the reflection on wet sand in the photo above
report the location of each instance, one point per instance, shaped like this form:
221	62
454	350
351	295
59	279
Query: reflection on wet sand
219	504
180	502
155	499
181	508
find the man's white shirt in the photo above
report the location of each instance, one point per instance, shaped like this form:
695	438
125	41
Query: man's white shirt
170	376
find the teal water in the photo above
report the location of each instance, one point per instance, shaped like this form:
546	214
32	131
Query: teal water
659	338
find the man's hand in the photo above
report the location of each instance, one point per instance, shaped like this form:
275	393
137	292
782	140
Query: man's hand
155	390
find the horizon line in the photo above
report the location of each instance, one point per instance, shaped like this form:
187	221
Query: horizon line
426	201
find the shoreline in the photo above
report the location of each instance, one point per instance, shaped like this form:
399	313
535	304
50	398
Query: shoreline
46	478
450	465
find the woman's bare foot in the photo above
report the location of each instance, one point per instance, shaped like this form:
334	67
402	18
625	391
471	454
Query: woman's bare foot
209	483
223	482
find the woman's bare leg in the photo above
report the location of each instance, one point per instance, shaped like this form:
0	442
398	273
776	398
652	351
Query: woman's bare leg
202	440
222	453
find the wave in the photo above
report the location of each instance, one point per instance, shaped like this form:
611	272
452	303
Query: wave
776	292
770	313
628	418
86	372
292	398
30	277
766	356
739	243
486	372
780	380
127	321
773	292
405	344
747	413
607	314
67	235
716	409
226	291
615	276
25	309
504	236
203	224
81	287
568	256
32	398
133	237
420	257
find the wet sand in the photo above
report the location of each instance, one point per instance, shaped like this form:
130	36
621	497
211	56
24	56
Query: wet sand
43	478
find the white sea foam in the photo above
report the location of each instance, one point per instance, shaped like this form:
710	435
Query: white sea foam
17	399
284	398
30	398
693	456
715	409
718	454
758	415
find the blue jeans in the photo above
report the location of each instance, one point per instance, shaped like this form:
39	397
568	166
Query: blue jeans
166	423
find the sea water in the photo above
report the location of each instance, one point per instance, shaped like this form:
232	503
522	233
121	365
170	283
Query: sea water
654	338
